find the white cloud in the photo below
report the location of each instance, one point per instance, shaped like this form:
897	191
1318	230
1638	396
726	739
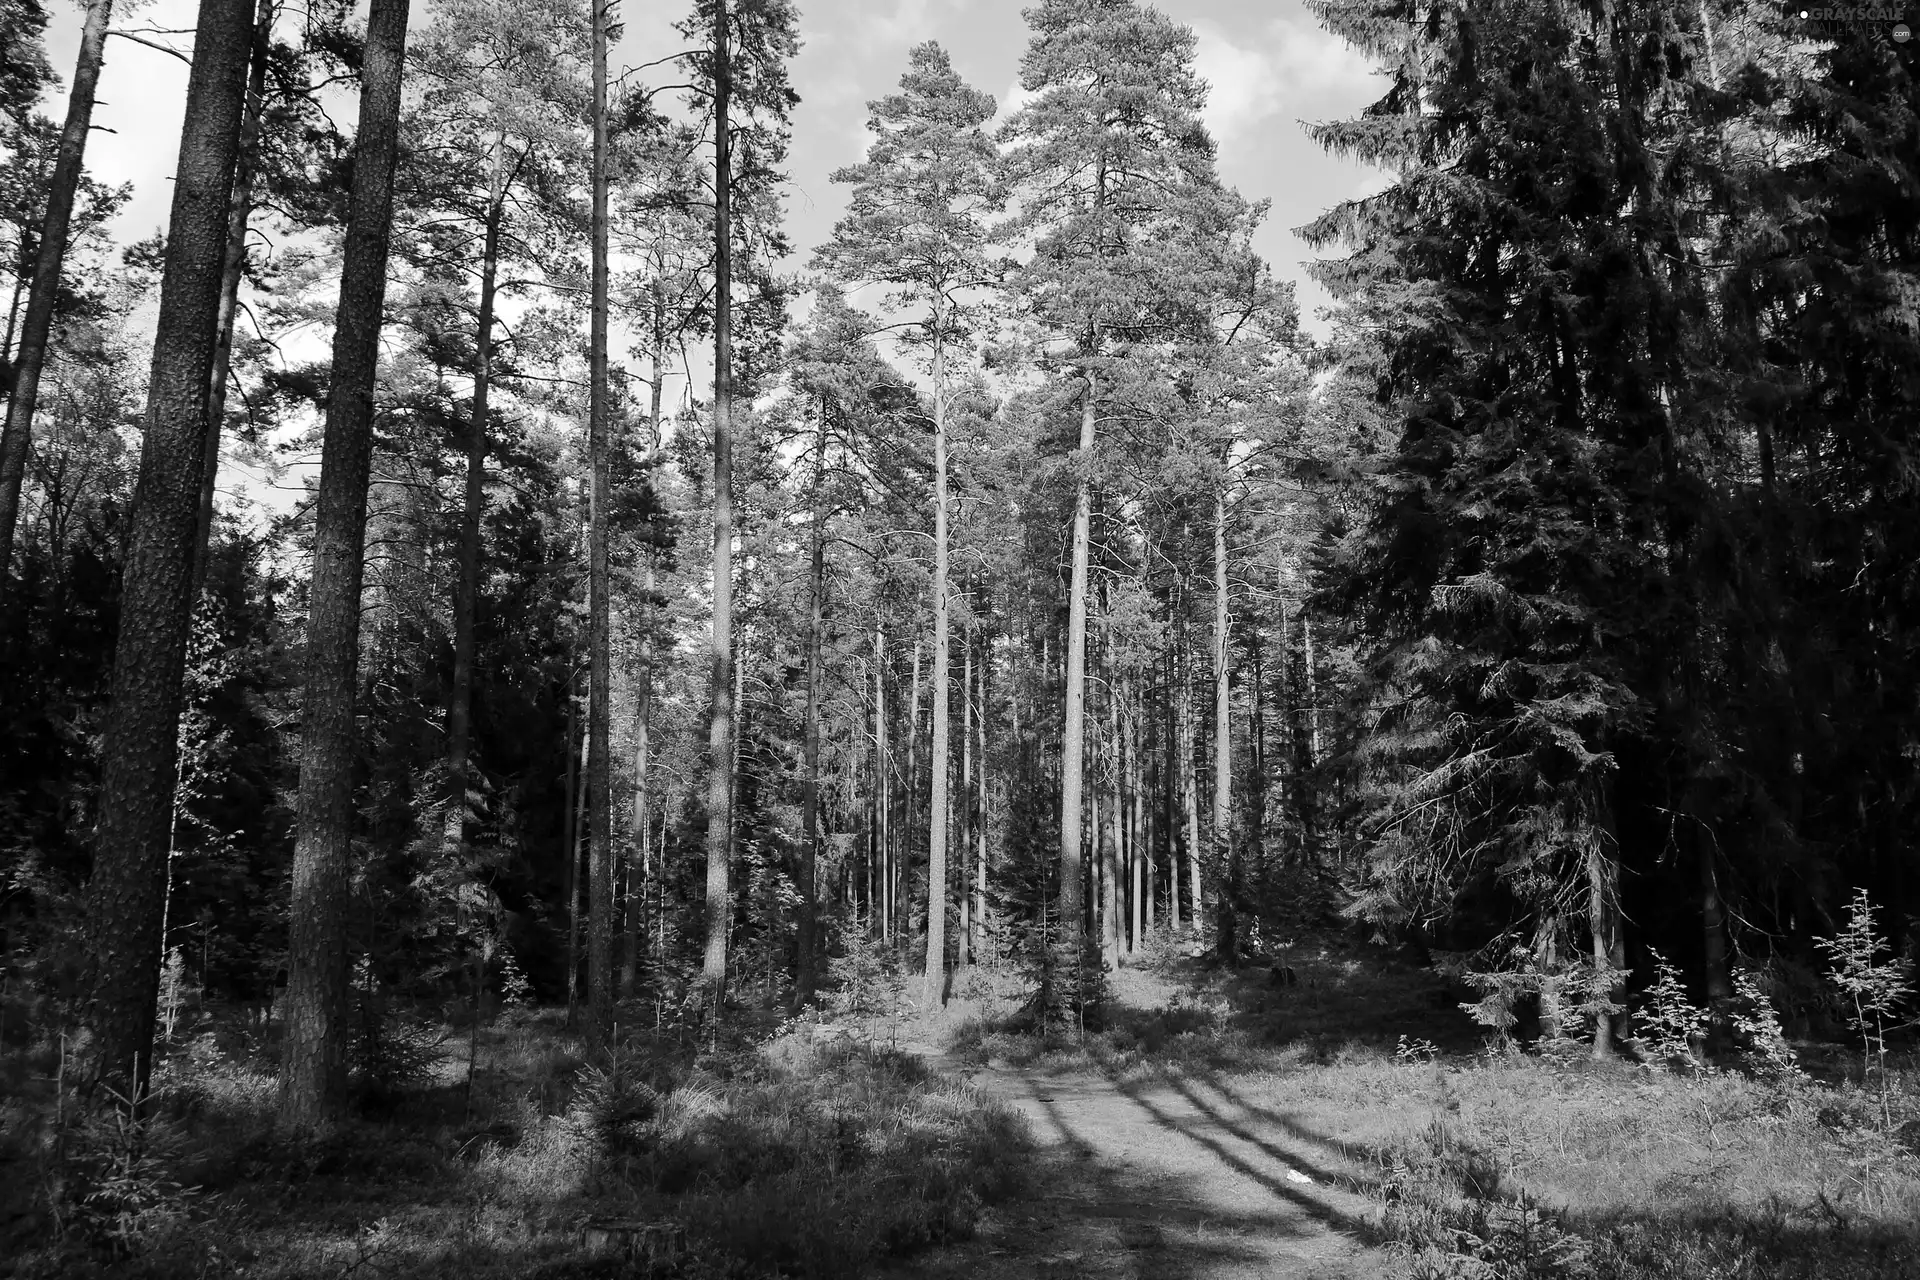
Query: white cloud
1244	89
1292	65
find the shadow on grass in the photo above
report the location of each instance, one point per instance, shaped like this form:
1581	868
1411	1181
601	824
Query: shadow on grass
1586	1169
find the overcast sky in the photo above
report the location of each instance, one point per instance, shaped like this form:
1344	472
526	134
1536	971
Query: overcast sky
1270	67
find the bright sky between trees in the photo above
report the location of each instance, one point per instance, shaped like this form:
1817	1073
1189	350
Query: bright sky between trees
1269	64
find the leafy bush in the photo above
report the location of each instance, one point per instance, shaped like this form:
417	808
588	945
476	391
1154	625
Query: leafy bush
1756	1027
1874	989
1668	1022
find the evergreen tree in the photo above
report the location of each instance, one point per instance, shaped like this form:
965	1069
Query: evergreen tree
140	757
313	1077
1123	216
916	224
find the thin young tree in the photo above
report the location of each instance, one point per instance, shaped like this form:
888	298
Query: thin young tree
600	973
917	223
37	325
313	1077
140	749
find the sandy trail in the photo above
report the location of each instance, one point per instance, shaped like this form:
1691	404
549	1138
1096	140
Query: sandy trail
1180	1179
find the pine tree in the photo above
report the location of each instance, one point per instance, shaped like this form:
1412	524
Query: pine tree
742	68
1123	216
917	223
139	763
313	1077
37	325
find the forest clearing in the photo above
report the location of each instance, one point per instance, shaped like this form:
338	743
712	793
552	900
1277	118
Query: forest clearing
672	641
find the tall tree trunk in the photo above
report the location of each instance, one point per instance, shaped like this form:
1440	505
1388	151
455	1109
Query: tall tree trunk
643	729
233	267
140	749
1228	941
313	1079
571	821
938	817
600	853
803	978
45	290
1113	902
964	898
902	883
1141	883
466	597
883	801
713	973
1190	790
1713	925
1603	913
1073	744
977	919
1171	808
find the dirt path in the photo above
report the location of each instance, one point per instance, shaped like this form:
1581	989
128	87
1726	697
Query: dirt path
1161	1180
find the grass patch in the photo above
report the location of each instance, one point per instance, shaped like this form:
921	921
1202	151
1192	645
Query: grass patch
808	1162
1497	1165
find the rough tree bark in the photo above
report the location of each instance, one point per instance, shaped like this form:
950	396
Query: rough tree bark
233	267
313	1079
139	751
713	973
44	292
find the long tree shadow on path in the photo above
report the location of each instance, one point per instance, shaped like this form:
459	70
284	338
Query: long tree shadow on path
1138	1181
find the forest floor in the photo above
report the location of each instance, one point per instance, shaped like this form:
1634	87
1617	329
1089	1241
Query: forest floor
1170	1176
1217	1126
1356	1124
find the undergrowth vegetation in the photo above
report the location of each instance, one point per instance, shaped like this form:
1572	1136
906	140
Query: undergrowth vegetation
674	1155
1487	1160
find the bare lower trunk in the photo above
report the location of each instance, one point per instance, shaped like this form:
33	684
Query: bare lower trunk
572	864
1190	793
1139	883
139	751
883	801
466	600
313	1080
964	844
1223	845
642	818
938	816
44	292
1073	742
803	977
982	807
719	912
1603	918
